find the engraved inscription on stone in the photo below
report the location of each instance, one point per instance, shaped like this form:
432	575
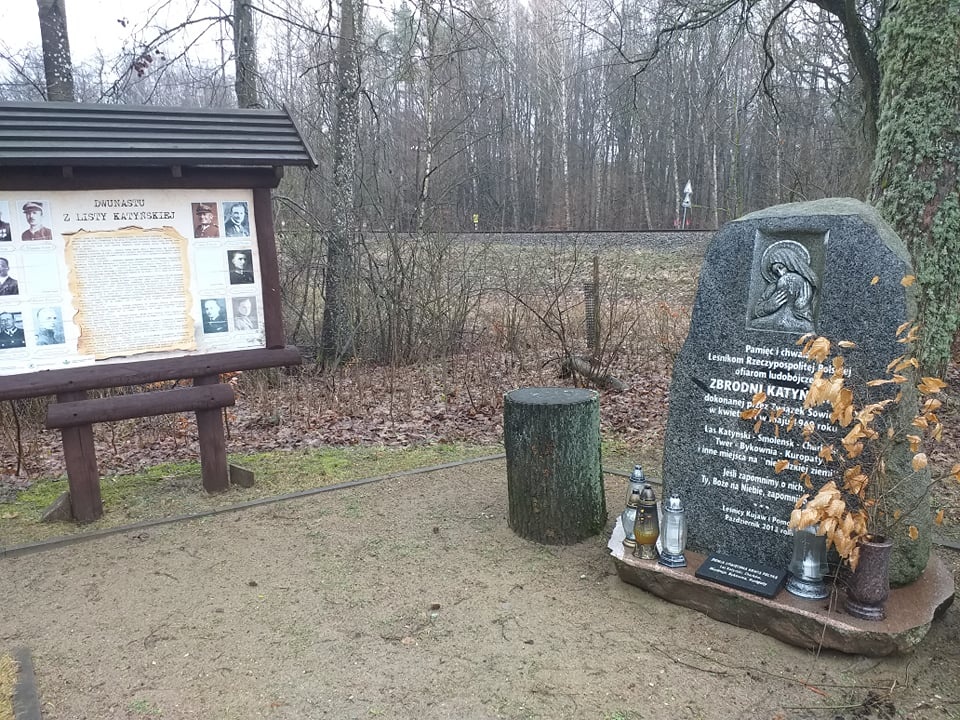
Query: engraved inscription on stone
784	286
766	280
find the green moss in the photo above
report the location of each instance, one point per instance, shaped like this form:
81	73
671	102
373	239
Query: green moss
916	167
173	489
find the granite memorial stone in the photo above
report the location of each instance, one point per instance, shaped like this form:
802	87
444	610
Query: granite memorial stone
830	267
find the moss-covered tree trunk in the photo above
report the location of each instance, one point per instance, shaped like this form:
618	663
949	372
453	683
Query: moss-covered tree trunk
915	179
554	479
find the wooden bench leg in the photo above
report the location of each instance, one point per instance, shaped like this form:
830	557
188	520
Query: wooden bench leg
213	443
83	476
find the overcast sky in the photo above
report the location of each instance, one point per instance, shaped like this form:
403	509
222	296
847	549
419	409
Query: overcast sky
92	24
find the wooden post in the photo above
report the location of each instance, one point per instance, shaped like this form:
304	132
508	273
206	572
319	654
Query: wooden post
269	270
80	456
554	479
213	444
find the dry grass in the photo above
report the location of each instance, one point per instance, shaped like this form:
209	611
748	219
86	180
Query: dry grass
8	681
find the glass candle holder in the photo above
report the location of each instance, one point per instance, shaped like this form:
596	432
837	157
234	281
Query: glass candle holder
673	533
808	565
628	517
647	528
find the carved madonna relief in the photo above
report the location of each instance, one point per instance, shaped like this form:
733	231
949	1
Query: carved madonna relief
784	284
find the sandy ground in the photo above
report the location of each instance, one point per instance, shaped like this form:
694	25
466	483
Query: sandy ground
412	598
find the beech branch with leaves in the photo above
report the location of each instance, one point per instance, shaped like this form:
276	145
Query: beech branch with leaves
854	506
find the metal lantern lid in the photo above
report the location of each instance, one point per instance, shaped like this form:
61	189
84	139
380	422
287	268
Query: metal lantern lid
673	504
637	475
647	496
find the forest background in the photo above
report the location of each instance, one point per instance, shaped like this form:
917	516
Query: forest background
441	125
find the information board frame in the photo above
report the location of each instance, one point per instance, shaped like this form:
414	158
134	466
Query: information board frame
68	171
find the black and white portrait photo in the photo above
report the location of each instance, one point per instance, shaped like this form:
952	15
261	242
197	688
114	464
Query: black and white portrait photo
11	330
241	266
245	313
236	219
34	215
49	326
6	234
214	315
8	285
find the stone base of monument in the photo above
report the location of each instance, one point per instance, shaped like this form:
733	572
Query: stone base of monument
805	623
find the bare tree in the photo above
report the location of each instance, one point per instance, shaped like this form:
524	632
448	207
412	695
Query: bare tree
245	54
336	339
57	66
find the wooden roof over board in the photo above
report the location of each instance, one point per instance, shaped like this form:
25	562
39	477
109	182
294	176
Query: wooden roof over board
55	134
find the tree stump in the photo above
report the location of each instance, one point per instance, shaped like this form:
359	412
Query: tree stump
554	479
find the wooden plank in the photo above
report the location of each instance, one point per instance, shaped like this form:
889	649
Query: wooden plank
269	271
80	456
107	375
146	404
87	178
213	443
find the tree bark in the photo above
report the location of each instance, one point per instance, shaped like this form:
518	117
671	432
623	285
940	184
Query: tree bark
916	186
57	66
245	52
554	480
336	338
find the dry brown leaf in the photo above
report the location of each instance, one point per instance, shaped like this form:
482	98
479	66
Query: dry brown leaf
855	480
908	362
908	280
931	405
836	508
795	517
854	451
817	349
780	466
939	517
919	462
854	558
913	532
931	385
876	279
910	337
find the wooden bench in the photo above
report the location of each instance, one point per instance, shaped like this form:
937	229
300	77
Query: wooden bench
74	413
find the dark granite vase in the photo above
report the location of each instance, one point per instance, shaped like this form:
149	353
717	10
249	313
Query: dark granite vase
869	585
